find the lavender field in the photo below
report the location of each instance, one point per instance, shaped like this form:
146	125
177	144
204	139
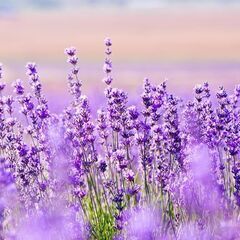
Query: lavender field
162	168
132	137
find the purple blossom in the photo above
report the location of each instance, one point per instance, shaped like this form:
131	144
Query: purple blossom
31	68
108	42
18	87
71	51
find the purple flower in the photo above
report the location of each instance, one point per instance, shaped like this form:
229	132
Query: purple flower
71	51
2	86
23	150
108	80
107	68
18	87
42	111
103	166
73	80
108	42
73	60
31	68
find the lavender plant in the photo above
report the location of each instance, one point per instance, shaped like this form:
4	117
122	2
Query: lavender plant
162	169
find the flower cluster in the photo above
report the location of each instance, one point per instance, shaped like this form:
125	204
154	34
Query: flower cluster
161	169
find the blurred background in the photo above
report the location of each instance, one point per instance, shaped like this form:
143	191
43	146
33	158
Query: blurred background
184	41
